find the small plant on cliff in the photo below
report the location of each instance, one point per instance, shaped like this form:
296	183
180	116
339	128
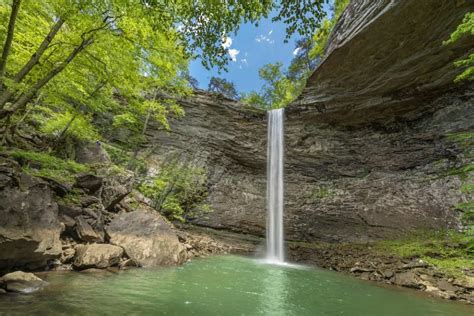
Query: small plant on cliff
178	190
320	192
466	28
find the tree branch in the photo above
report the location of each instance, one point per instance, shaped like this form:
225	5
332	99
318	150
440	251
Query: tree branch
8	40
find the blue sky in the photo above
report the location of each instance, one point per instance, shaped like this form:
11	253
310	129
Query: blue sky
252	48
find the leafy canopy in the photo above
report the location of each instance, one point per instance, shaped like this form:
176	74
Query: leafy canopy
224	87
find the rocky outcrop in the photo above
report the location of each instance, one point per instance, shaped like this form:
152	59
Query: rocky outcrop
98	256
21	282
378	67
369	262
29	225
117	184
42	227
146	238
370	145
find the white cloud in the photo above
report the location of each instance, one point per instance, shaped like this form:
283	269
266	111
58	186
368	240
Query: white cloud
270	33
227	42
263	38
244	61
296	51
233	54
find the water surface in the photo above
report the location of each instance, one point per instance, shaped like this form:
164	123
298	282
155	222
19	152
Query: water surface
225	285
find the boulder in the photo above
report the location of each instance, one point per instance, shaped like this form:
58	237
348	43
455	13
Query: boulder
91	183
406	279
86	232
98	256
21	282
91	153
29	225
146	238
68	255
117	184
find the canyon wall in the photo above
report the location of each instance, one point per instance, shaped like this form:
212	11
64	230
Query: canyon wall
372	144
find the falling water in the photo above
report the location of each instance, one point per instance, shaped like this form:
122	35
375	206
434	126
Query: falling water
275	251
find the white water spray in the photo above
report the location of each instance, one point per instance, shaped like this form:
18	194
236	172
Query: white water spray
275	252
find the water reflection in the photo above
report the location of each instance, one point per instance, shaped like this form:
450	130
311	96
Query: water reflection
274	300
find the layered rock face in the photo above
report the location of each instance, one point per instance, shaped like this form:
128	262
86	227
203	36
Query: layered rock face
370	143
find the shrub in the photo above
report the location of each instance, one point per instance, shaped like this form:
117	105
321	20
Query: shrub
178	190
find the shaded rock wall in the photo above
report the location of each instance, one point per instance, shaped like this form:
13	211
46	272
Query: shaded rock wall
29	225
367	143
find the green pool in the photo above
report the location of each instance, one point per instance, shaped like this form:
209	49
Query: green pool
224	285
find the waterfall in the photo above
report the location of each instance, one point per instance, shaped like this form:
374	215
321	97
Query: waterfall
275	252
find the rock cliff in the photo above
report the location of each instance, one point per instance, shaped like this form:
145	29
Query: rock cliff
370	144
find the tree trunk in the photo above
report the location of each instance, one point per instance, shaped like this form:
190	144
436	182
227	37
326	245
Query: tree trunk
68	125
8	93
8	40
137	147
26	97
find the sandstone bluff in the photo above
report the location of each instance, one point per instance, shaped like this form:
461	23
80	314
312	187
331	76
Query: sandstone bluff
367	143
369	150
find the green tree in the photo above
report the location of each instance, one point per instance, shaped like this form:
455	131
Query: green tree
224	87
50	42
280	86
466	28
302	64
178	190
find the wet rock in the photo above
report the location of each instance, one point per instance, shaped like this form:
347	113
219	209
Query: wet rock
146	238
361	269
2	291
98	256
128	263
21	282
406	279
446	286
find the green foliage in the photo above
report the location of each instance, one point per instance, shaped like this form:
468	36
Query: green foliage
45	165
466	28
450	251
224	87
72	197
321	36
178	190
278	90
320	192
467	209
302	16
283	86
66	124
